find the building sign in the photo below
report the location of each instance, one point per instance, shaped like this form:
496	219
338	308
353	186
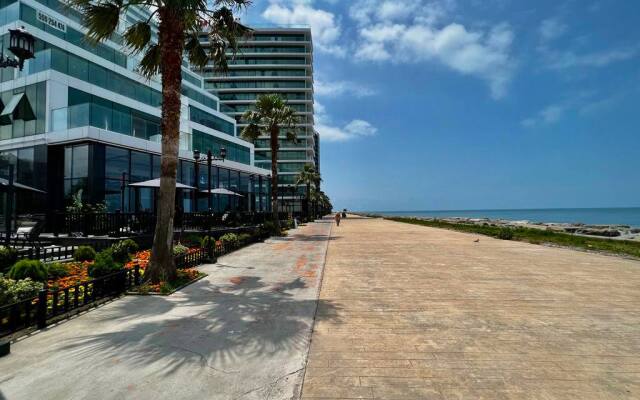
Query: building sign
52	22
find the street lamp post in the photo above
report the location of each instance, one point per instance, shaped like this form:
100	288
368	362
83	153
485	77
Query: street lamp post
210	159
196	156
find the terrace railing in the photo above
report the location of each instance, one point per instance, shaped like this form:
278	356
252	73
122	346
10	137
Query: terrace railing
132	224
101	224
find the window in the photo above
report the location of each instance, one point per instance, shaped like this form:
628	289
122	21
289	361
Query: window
140	166
76	169
116	162
211	121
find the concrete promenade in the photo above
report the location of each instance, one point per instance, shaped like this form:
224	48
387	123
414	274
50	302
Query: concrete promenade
409	312
241	333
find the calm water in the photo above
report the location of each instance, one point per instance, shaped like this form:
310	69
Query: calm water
597	216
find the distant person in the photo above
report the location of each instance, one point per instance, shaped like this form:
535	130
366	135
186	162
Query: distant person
344	213
338	218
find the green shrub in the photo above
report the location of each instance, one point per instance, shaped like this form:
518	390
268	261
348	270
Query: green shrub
123	250
103	265
193	239
165	288
244	238
269	229
33	269
207	243
57	270
84	253
12	291
179	249
229	239
505	234
8	257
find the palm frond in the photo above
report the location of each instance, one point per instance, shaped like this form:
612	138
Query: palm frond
151	61
101	18
195	51
138	36
251	132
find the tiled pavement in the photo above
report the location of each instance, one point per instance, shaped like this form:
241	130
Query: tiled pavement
409	312
241	333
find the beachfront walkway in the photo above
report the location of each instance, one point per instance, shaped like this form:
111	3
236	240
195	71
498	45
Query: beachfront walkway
424	313
241	333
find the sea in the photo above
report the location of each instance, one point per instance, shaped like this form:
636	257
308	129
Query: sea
591	216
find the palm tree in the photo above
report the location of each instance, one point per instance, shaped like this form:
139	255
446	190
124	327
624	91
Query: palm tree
308	176
271	114
179	24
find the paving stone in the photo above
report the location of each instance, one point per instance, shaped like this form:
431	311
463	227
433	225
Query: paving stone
422	313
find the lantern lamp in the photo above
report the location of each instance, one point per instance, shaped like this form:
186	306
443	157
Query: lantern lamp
22	45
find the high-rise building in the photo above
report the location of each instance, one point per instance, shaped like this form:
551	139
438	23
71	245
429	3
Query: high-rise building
79	119
273	60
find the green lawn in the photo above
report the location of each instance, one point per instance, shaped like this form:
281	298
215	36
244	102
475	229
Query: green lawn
537	236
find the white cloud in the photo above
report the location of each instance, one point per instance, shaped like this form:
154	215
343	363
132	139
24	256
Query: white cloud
366	12
569	59
551	28
324	25
476	53
334	88
583	103
330	132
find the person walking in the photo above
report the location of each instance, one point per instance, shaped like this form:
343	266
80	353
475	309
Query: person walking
338	218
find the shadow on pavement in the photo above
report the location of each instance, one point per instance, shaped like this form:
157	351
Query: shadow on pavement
246	319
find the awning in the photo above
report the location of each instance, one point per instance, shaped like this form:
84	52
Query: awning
223	191
5	183
155	183
17	108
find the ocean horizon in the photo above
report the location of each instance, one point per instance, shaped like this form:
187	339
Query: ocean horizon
591	216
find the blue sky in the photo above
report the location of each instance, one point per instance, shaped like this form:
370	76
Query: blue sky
452	104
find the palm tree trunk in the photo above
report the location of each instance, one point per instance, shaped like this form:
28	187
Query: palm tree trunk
171	32
275	132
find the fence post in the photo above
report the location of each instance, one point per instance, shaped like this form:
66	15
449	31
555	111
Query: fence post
117	218
136	275
85	224
41	312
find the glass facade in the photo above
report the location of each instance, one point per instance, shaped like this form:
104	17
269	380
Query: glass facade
235	152
89	110
210	121
35	99
97	171
29	163
257	85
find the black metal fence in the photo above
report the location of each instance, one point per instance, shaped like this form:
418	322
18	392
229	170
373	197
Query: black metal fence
101	224
53	304
131	224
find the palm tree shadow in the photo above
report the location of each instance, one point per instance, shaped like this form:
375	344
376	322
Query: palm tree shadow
214	327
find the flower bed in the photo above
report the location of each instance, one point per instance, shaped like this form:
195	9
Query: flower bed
77	274
184	278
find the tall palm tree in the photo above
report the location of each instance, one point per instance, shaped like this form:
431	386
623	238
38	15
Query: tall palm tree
270	116
308	176
179	23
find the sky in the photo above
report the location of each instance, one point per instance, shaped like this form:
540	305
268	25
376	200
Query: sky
476	104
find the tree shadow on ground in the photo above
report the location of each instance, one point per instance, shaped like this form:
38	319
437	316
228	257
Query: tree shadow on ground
211	326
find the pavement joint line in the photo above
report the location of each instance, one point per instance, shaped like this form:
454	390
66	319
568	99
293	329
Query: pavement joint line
315	314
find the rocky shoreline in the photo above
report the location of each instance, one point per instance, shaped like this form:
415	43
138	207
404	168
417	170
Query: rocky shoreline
621	232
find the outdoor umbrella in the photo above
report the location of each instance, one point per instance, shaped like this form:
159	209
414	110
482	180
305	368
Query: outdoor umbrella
16	185
223	191
155	183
